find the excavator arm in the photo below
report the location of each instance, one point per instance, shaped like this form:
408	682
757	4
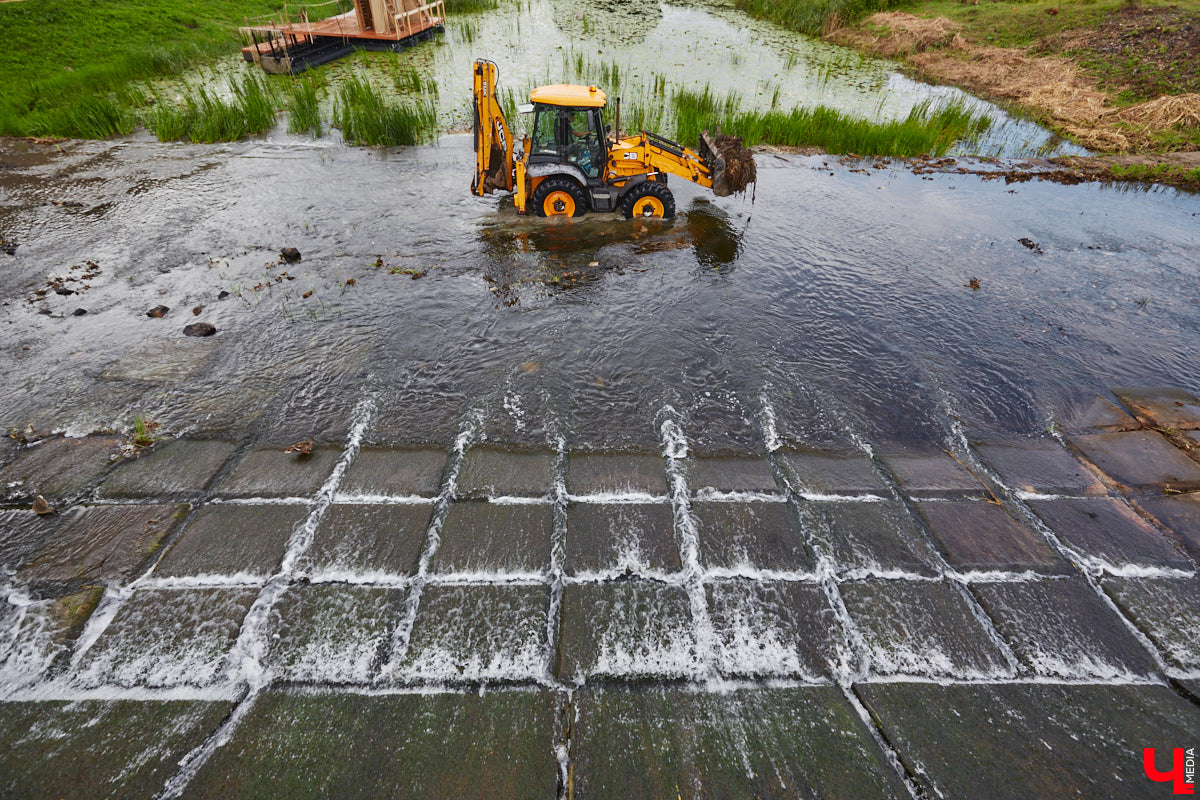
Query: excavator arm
657	154
493	140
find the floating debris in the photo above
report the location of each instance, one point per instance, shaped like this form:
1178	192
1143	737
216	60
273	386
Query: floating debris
973	284
290	254
301	448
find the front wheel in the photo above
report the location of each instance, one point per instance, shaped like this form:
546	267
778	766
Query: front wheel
559	197
648	199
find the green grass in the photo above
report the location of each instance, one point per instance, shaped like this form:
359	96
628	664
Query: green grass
470	6
810	16
65	61
366	117
927	128
207	117
304	110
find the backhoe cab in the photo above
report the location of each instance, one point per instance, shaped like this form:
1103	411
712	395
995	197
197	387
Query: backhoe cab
572	162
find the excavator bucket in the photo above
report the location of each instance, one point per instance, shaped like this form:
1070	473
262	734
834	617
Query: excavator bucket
730	163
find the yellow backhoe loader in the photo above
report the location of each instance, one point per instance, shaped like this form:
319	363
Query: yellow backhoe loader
572	163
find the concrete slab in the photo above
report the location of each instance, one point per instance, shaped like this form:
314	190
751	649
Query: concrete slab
498	472
1096	414
823	473
626	629
932	474
495	537
1166	610
880	537
167	637
773	628
21	534
480	633
1140	460
1162	407
332	633
365	539
1110	531
637	538
731	474
1181	514
615	473
103	543
35	636
58	469
983	536
87	749
1019	741
398	472
249	540
753	536
498	744
761	743
181	467
1041	466
1061	628
921	628
267	471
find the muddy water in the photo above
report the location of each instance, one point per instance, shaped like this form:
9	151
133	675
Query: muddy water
643	50
834	303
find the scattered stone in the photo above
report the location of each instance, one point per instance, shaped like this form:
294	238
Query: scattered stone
1043	466
222	295
1014	741
199	329
872	537
79	312
301	448
1141	460
290	254
1061	628
489	537
41	507
63	291
1030	244
983	536
754	536
662	742
1109	531
1162	407
196	311
158	312
923	628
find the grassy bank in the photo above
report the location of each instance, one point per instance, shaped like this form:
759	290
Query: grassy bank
66	63
1114	75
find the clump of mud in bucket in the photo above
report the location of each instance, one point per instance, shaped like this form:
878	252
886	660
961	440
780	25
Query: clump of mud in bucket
740	170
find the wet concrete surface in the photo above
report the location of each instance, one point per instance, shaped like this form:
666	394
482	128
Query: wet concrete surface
750	491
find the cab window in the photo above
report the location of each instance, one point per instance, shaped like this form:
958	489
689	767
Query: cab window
583	141
544	141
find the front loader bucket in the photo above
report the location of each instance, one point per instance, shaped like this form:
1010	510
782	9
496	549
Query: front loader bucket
715	163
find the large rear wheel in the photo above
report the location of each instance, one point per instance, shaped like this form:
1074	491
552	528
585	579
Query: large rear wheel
648	199
559	197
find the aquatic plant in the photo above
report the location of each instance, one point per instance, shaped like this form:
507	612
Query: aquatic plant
814	16
366	117
304	111
470	6
208	117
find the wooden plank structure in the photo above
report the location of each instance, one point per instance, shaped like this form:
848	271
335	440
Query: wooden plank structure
291	42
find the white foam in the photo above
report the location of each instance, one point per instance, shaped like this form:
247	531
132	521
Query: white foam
203	581
710	495
382	499
841	498
618	498
769	429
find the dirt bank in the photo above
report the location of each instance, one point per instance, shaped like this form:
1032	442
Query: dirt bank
1122	80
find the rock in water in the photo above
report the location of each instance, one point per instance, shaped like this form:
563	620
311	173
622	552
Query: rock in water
199	329
79	312
290	254
158	312
41	507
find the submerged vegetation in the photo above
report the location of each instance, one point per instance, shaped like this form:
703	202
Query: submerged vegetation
367	117
814	16
207	117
